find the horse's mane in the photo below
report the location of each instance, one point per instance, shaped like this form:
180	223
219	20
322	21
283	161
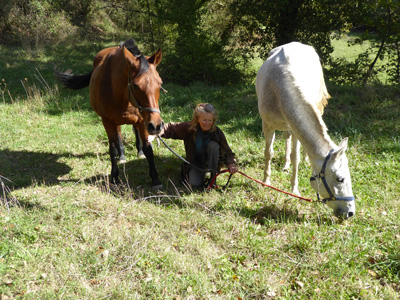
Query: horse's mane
131	46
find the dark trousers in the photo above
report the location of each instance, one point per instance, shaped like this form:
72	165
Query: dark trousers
196	177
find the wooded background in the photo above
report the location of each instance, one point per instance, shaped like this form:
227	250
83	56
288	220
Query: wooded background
215	41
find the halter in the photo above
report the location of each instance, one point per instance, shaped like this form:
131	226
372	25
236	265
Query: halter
321	176
140	108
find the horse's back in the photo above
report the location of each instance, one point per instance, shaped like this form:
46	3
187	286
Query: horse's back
292	74
107	93
101	56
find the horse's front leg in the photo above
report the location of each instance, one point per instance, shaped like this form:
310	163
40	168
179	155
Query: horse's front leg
295	158
121	151
114	140
148	152
269	135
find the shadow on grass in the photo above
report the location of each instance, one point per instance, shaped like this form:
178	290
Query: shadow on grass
137	187
24	168
272	212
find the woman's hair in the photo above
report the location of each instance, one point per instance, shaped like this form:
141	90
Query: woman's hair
203	108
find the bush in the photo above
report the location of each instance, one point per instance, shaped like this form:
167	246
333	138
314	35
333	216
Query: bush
36	23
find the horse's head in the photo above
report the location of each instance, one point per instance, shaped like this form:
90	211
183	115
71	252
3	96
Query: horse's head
333	182
144	89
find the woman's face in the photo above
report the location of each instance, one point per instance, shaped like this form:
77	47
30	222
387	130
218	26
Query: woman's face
205	121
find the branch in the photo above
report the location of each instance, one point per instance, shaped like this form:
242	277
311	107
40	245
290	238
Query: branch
148	13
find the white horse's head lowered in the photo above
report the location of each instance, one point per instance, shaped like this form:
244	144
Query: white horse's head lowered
333	182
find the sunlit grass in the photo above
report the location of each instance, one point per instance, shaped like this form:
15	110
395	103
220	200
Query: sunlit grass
72	236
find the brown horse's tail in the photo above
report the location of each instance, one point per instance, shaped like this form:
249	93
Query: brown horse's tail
71	81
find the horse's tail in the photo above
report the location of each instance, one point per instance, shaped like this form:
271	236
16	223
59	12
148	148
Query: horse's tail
71	81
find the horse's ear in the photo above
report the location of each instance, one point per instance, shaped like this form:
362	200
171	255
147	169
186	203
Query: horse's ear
342	148
155	58
343	143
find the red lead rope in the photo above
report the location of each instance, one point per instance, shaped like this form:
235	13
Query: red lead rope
258	181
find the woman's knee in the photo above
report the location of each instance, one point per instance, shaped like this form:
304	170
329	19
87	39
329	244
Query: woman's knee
213	147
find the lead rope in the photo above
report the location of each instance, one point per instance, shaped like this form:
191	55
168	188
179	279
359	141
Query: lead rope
181	158
258	181
212	181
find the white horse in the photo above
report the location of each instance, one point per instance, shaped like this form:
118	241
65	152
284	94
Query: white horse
291	89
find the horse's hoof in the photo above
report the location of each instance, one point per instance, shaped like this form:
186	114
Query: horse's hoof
122	161
141	154
157	187
115	181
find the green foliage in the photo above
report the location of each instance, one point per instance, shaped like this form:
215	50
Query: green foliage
35	23
267	24
379	21
214	41
195	55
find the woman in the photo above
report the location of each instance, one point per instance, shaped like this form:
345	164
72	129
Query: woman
205	145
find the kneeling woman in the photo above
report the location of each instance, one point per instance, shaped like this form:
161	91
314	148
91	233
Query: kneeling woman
205	145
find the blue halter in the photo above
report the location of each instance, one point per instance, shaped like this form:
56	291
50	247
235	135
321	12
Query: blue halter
321	176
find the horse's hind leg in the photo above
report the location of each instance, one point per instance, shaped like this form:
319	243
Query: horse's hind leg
269	135
288	138
139	143
295	158
114	140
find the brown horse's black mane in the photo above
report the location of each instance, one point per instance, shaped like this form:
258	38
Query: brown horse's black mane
130	44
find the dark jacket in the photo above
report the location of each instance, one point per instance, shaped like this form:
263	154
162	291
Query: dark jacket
181	131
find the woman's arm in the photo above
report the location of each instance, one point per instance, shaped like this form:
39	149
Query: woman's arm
177	131
227	152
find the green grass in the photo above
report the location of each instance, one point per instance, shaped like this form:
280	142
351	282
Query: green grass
346	48
72	237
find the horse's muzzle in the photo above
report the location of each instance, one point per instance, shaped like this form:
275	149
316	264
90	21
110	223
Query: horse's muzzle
345	215
154	129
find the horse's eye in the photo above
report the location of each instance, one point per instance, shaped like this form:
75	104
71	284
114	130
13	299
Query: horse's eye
340	179
135	86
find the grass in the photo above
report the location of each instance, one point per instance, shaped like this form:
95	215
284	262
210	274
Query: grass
346	48
67	235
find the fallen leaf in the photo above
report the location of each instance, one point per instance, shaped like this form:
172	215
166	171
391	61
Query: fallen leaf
8	280
94	281
373	274
299	284
371	260
271	294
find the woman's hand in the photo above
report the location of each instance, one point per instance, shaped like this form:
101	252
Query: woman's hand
232	168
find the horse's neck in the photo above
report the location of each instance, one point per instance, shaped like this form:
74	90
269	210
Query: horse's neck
310	129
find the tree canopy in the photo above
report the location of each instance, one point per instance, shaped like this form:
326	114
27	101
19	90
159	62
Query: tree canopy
214	41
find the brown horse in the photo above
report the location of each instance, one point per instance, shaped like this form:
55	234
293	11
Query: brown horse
124	88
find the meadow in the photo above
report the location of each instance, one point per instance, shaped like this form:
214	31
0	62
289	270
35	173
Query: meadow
65	234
